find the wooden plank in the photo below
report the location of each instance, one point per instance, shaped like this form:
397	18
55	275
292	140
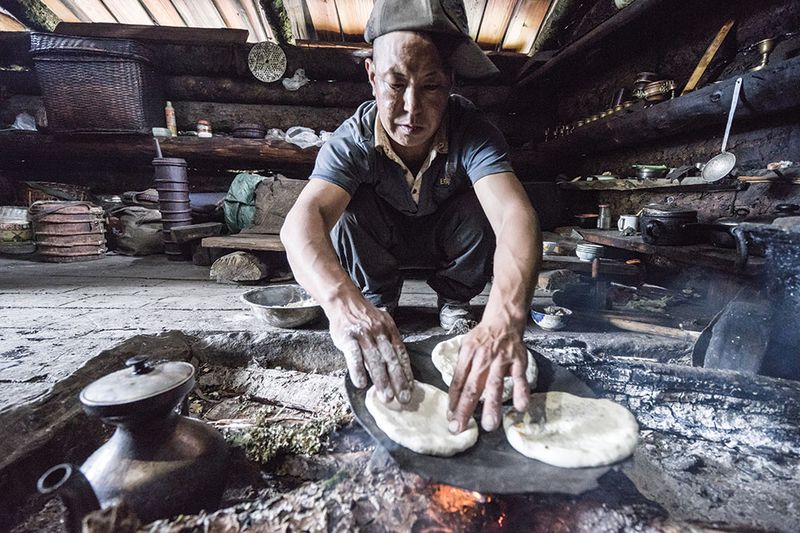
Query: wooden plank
39	150
254	242
300	18
170	34
190	232
263	22
163	12
224	116
128	12
475	10
704	255
771	91
199	13
495	22
709	54
60	10
94	10
325	19
353	16
10	23
524	25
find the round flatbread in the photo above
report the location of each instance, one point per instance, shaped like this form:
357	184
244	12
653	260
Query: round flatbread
421	424
445	357
569	431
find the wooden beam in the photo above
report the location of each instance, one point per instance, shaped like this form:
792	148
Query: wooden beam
593	39
771	91
224	116
254	242
161	34
37	150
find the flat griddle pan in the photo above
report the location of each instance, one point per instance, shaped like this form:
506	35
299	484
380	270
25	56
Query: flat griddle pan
492	466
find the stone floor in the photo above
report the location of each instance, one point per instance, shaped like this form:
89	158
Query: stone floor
55	317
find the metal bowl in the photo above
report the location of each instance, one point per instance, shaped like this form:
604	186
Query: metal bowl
269	304
551	317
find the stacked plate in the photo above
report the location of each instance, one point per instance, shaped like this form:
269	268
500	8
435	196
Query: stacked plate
587	251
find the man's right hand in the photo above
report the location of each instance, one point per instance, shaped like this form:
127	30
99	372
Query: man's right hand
372	346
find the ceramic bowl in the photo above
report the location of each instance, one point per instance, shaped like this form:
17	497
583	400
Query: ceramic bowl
551	317
549	247
273	305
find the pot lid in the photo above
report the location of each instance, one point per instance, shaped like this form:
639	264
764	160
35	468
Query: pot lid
142	381
667	210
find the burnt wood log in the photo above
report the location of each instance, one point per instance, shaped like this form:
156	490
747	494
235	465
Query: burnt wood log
237	267
751	412
38	150
224	116
771	91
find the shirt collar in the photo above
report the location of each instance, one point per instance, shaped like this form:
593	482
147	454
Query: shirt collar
440	143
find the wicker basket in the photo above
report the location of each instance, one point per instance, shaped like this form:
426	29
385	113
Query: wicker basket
97	85
46	191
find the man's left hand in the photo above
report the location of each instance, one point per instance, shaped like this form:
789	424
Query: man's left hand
488	354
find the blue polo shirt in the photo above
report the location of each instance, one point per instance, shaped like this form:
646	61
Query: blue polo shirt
476	148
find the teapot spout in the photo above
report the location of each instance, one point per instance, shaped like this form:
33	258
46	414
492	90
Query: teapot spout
75	491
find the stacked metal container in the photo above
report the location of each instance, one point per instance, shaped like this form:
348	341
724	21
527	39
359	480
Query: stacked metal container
172	185
68	231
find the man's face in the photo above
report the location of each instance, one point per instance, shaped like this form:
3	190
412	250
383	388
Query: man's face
411	87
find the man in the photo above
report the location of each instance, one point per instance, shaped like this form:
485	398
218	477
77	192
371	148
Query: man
418	177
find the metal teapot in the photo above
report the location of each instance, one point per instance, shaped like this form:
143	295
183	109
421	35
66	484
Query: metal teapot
159	462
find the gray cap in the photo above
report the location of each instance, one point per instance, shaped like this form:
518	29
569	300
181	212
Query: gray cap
438	16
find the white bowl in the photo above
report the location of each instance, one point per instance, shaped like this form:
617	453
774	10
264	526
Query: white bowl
587	256
551	317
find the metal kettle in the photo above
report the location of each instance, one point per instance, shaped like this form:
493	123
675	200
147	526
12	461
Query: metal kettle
159	462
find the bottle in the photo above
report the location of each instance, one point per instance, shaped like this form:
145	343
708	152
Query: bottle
169	114
604	218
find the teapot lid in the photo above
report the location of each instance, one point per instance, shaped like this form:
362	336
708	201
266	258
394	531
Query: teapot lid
142	386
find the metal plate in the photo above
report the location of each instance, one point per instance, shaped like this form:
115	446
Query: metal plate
492	466
267	61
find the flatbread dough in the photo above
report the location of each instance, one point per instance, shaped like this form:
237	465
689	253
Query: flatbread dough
445	357
569	431
421	425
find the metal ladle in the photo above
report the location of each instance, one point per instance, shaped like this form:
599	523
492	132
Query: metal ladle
722	163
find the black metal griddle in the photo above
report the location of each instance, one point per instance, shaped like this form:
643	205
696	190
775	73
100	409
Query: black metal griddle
491	466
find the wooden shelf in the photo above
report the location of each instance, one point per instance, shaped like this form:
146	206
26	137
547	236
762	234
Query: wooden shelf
248	241
704	255
771	91
37	149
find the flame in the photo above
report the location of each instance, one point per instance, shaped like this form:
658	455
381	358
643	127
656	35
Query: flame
455	500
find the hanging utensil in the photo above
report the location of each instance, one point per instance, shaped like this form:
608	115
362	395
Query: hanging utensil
267	61
722	163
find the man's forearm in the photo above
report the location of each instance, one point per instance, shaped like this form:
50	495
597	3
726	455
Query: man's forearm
313	260
517	260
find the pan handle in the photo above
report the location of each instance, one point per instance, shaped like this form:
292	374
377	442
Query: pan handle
653	229
741	248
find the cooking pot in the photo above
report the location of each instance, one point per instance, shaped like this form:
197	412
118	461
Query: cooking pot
159	462
719	233
666	224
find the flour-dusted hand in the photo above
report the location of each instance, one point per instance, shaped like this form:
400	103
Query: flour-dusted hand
372	347
488	354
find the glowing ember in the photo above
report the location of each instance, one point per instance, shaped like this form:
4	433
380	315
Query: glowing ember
455	500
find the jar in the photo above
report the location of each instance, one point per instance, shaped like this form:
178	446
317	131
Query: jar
203	128
604	217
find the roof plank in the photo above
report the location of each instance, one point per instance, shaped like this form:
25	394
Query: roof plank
61	11
326	19
495	21
475	10
128	12
299	16
95	10
524	25
163	12
353	16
